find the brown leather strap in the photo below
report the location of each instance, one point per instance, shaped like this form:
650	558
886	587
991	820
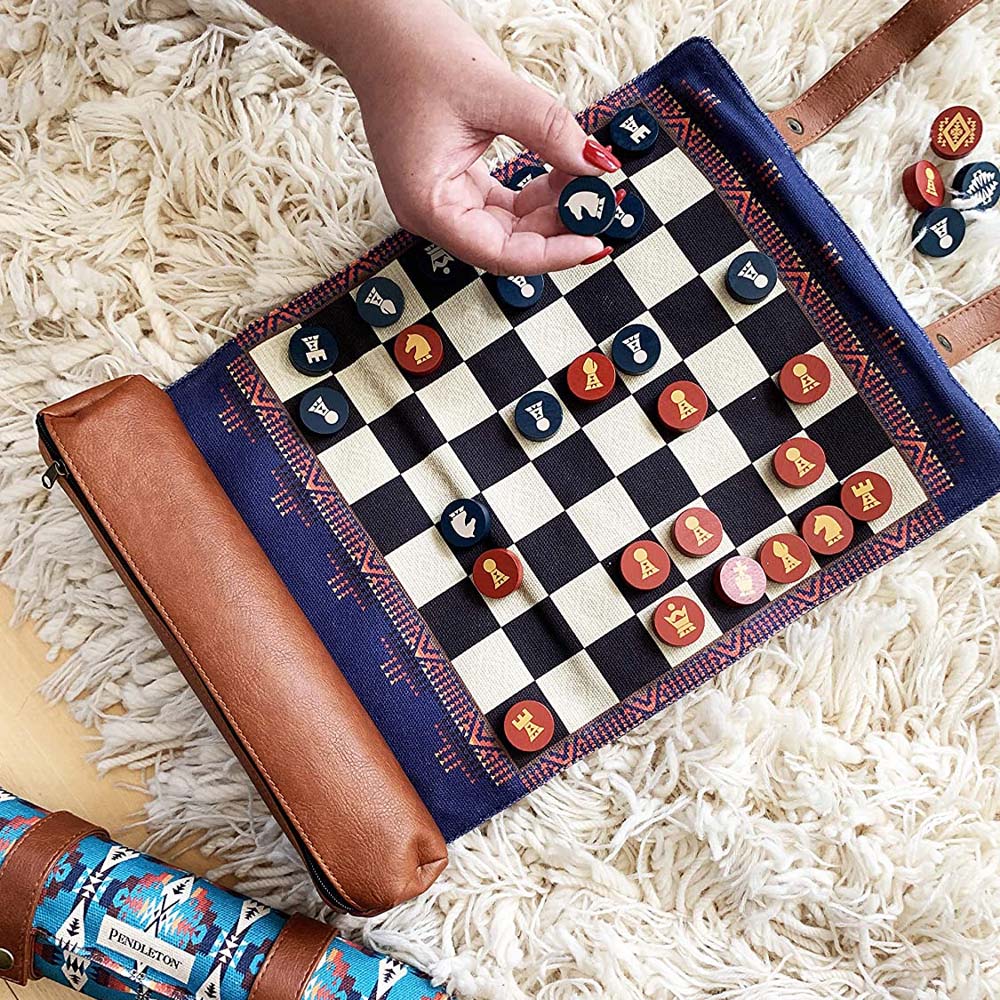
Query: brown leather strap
968	328
293	958
22	878
863	70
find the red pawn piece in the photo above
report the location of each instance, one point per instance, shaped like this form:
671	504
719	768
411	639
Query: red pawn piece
645	565
682	405
799	462
805	379
497	573
697	532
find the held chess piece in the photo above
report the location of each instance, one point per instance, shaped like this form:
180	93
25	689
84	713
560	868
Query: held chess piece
527	289
587	205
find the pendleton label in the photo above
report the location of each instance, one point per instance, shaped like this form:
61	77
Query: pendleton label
146	949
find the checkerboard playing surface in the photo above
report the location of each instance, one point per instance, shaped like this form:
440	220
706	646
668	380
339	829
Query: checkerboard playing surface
575	636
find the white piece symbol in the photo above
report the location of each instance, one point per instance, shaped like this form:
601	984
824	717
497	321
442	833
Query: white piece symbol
634	344
463	525
585	203
982	188
441	260
750	273
527	289
940	230
332	417
625	219
314	353
386	306
634	129
537	412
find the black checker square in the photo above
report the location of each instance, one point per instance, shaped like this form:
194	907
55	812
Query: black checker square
762	419
506	370
573	469
556	552
417	261
691	317
707	232
579	495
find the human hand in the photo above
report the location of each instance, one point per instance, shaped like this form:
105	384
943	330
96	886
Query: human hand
434	97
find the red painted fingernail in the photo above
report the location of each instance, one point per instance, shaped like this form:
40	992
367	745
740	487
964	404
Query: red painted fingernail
595	154
619	196
606	252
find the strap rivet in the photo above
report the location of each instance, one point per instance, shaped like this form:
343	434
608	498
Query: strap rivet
6	960
945	342
795	125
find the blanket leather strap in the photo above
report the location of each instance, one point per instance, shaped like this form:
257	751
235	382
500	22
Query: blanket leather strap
863	70
22	879
293	957
966	329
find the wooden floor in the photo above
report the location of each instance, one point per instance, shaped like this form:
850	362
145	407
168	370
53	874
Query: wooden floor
43	757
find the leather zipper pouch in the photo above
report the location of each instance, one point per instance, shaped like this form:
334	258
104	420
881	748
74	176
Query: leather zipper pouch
128	463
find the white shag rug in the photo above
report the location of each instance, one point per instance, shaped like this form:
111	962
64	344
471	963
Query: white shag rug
822	821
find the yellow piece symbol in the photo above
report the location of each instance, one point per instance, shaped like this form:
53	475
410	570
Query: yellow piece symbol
679	398
498	575
590	370
701	535
526	724
641	556
800	462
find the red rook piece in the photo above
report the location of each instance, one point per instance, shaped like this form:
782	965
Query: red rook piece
497	573
741	581
645	565
866	496
805	378
679	621
828	530
682	405
799	462
923	186
418	350
785	558
591	377
528	726
956	132
697	532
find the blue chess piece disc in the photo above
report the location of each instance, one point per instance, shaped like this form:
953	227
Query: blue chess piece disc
464	523
538	415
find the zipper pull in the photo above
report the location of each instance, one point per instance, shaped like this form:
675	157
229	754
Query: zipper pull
53	474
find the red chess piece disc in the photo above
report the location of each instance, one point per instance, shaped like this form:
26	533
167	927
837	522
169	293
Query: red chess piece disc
529	726
785	558
923	186
956	132
497	573
679	621
866	496
682	405
645	565
805	378
740	581
419	350
697	531
799	462
591	377
828	530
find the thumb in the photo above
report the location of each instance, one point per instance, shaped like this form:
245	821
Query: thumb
546	127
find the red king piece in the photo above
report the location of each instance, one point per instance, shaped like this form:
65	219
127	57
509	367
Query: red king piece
591	377
740	581
956	132
866	496
923	186
828	530
799	462
497	573
529	726
645	565
682	405
785	558
679	621
805	378
419	350
697	532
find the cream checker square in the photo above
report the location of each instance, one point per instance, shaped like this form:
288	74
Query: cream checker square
522	502
671	184
471	319
727	367
530	593
607	519
438	479
655	267
841	389
374	384
491	670
358	464
592	605
554	337
426	566
577	691
710	454
456	401
624	435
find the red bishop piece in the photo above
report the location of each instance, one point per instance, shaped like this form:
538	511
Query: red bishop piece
799	462
866	496
529	726
828	530
419	350
956	132
785	558
497	573
682	405
697	532
679	621
645	565
591	377
923	186
805	379
740	581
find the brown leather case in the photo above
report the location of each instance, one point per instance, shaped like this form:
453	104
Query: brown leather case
243	644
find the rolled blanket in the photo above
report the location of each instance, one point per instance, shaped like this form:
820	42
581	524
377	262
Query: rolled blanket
110	922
